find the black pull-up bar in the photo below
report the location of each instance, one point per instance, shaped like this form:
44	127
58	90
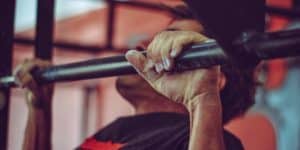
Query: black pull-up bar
252	47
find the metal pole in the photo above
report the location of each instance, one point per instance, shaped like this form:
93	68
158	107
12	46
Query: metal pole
110	24
296	4
7	11
202	55
246	52
44	29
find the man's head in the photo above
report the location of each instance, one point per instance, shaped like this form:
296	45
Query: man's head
237	94
225	21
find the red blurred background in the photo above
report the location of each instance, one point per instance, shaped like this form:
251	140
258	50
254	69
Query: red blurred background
81	108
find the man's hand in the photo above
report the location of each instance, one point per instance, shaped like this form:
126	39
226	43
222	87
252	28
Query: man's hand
37	96
198	90
156	68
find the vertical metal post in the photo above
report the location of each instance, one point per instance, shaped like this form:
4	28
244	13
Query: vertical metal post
44	29
88	91
7	17
296	4
110	24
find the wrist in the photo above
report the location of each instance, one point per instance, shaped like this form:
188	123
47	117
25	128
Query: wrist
45	110
40	107
205	109
38	102
205	102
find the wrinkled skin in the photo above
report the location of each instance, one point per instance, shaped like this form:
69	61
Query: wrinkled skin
134	88
154	90
180	87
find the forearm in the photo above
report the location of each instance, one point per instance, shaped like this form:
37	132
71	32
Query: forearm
206	132
38	130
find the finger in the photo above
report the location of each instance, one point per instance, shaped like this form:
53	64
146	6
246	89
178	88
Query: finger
42	63
178	46
163	55
154	55
28	64
22	72
167	60
159	52
28	82
165	49
30	85
137	60
21	66
184	40
151	50
23	79
144	66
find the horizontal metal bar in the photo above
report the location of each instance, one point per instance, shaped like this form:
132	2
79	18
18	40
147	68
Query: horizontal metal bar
202	55
248	49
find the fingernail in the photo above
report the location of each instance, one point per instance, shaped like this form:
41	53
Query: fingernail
173	53
158	67
166	63
131	52
161	67
209	40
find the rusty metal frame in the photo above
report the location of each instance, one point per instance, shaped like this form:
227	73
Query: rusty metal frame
7	17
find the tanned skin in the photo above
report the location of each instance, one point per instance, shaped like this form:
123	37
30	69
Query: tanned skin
39	102
195	93
198	90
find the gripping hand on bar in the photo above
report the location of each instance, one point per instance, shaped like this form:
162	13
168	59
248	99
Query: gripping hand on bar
200	55
156	66
36	95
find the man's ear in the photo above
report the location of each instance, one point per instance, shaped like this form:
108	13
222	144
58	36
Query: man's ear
222	81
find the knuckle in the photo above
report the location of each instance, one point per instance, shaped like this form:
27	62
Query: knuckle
164	35
16	70
178	44
153	55
166	51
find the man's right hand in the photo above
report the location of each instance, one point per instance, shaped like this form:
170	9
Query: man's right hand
37	96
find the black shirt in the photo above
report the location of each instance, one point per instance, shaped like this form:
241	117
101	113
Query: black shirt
153	131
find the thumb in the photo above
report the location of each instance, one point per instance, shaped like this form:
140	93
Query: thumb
136	59
142	65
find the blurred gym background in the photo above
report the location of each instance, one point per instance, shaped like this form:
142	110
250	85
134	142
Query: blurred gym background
83	31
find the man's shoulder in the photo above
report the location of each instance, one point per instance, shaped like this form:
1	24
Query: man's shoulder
137	131
178	137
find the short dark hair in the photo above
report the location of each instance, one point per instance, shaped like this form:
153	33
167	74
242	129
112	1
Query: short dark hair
179	12
238	94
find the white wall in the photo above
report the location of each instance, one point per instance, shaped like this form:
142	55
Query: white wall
67	111
26	11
